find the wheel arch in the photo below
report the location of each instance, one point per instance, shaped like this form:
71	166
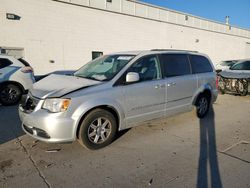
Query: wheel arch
206	92
206	89
108	108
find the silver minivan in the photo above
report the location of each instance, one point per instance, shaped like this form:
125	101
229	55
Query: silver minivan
115	92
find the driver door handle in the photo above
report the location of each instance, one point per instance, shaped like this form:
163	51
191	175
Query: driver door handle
158	86
171	84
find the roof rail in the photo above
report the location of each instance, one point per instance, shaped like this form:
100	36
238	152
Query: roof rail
173	50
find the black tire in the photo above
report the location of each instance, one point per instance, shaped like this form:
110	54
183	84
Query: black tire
202	105
10	94
98	129
242	87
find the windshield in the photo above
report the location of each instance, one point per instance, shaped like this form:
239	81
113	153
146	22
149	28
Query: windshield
104	68
228	63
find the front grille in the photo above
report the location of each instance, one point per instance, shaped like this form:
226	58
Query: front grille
30	103
37	132
230	84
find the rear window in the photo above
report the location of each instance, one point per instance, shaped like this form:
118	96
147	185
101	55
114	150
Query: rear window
25	63
200	64
4	63
175	64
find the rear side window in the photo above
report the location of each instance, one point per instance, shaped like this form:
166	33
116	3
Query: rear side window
4	63
175	64
200	64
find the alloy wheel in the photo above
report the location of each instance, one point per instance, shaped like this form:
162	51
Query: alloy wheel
99	130
202	106
10	94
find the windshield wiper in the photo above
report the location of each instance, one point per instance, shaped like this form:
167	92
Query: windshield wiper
87	77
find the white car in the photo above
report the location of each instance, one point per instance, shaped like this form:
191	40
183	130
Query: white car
16	77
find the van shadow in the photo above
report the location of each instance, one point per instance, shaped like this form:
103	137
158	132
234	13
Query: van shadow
208	160
120	134
10	124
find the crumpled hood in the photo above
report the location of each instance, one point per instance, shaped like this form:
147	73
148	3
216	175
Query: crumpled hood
235	74
59	85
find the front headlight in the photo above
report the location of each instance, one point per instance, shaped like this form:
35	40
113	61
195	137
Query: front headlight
56	104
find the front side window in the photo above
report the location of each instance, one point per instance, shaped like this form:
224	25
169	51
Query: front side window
200	64
4	63
241	66
104	68
175	64
147	67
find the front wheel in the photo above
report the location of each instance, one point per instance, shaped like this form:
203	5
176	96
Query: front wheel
98	129
10	94
202	105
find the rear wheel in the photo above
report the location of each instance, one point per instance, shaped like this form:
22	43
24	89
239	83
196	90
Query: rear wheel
202	105
10	94
98	129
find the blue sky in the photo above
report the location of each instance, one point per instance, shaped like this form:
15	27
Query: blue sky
238	10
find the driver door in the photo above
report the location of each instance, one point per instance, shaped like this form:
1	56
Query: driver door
144	100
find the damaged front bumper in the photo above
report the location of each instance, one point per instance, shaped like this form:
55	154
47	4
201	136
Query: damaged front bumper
234	85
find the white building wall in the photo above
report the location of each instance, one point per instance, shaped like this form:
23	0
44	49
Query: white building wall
67	34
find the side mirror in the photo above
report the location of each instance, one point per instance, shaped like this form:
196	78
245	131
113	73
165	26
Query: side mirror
132	77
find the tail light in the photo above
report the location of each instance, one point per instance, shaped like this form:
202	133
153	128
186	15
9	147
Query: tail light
217	82
27	69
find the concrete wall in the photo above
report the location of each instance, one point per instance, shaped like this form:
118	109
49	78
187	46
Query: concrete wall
67	33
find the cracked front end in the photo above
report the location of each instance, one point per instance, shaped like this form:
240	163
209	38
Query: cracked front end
44	125
233	85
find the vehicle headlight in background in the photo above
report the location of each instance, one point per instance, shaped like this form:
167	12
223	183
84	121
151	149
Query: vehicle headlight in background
56	104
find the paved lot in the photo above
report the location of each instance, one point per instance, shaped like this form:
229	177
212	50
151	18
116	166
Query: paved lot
176	152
